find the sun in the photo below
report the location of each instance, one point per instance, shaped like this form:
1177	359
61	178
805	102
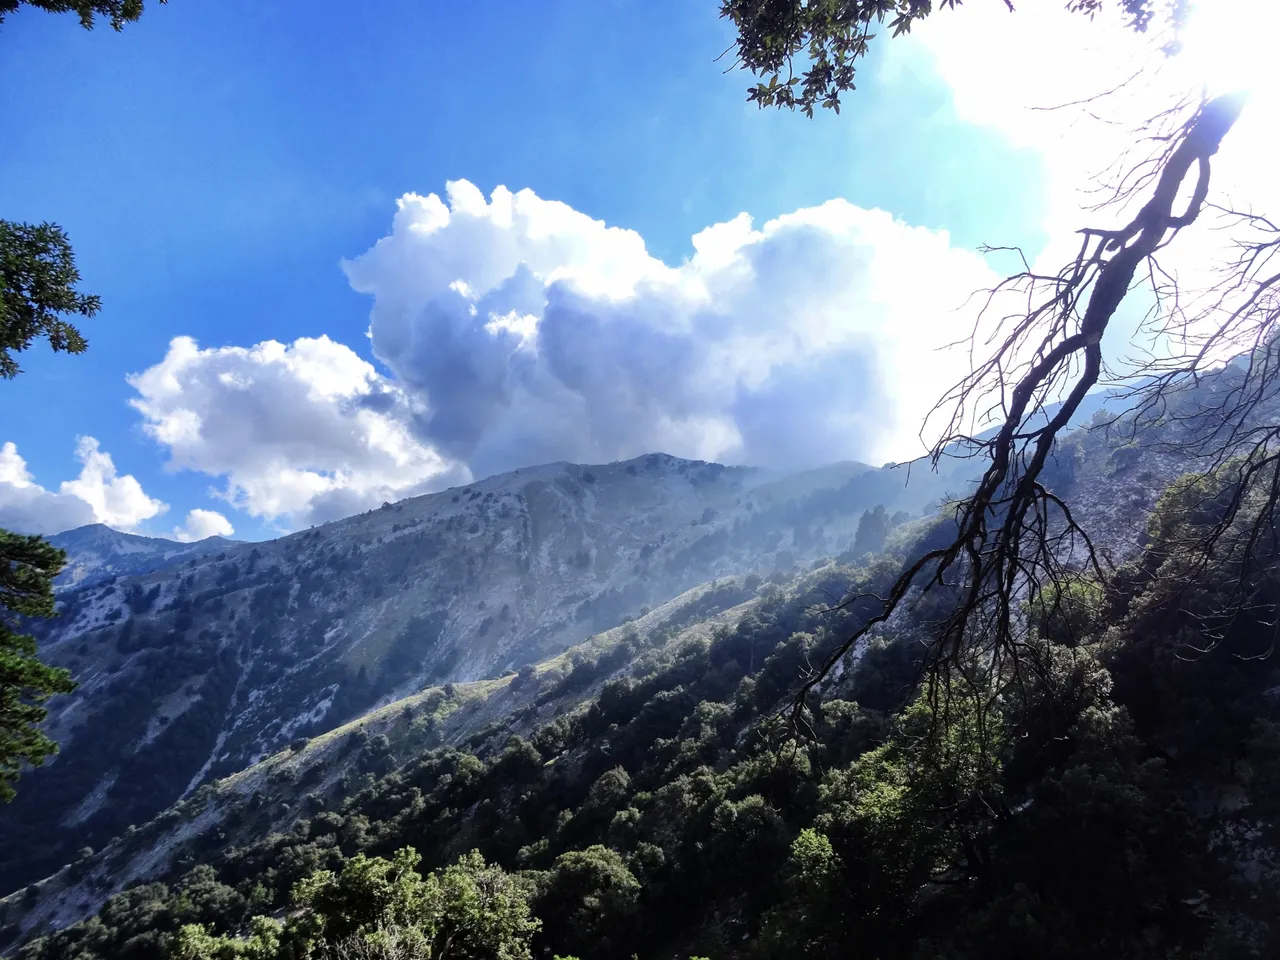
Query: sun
1229	46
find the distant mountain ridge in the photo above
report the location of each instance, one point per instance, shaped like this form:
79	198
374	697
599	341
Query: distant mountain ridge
96	553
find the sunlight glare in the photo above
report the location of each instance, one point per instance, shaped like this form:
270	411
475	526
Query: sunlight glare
1229	45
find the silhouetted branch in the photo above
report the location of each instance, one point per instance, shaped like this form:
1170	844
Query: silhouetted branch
1014	538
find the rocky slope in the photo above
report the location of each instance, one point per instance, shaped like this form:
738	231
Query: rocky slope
310	663
317	774
194	672
249	687
96	553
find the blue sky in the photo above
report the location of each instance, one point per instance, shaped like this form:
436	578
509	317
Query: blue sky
215	162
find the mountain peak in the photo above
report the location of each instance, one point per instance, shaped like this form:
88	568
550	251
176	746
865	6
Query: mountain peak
97	552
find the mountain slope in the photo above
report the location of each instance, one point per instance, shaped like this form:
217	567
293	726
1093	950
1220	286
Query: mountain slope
193	672
643	786
311	775
772	522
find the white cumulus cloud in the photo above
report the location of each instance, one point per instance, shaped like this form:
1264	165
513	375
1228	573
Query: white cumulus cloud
202	524
300	432
518	330
524	331
1086	88
97	495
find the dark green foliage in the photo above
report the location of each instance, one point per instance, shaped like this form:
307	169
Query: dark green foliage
37	285
589	903
118	12
873	529
807	53
27	568
38	276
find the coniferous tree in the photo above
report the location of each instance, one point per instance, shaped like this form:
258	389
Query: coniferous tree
873	529
37	287
27	568
38	278
118	12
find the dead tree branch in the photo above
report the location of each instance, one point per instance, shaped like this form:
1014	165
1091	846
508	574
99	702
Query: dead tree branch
1014	537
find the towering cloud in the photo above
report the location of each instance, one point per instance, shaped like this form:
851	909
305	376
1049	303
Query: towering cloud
517	330
524	331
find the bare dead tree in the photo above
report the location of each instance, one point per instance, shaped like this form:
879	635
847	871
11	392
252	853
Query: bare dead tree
1226	418
1014	537
1016	545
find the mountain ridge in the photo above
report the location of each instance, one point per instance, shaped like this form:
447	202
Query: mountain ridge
97	552
190	672
700	522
